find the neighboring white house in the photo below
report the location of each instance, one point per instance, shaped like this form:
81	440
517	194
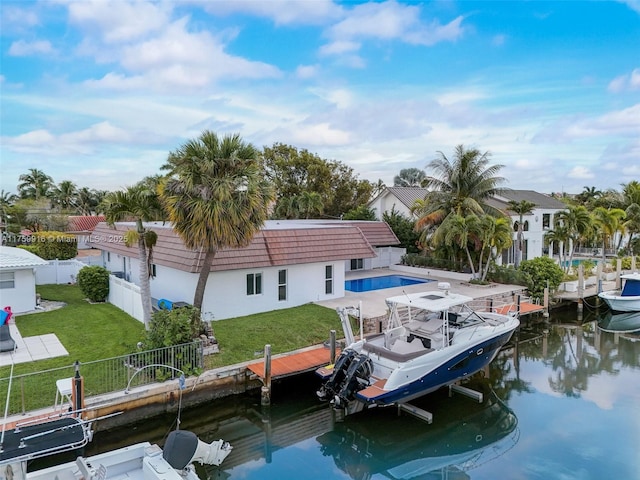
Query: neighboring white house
18	278
288	263
535	225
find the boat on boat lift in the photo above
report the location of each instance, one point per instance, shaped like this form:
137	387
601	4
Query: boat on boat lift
432	339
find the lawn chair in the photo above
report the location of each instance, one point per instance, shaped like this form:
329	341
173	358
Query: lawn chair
7	344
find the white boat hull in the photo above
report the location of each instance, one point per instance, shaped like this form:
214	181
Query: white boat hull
619	303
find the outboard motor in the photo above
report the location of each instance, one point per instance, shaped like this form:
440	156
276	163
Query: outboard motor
357	378
334	384
183	448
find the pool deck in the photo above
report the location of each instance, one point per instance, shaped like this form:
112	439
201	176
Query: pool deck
373	302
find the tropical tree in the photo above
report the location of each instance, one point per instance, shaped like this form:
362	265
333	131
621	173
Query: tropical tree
403	227
522	208
631	195
293	171
461	186
287	208
64	195
560	235
309	203
409	177
458	230
577	224
143	205
378	188
607	221
588	196
361	213
88	201
36	184
493	236
216	196
7	199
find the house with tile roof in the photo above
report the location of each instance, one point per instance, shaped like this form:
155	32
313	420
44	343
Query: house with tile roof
288	263
535	225
81	226
18	278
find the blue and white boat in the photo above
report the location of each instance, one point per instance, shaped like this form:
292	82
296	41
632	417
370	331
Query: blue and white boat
627	299
432	339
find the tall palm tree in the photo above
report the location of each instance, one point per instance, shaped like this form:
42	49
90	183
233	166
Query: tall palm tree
458	230
522	208
7	199
560	235
64	195
631	196
216	196
577	224
35	184
607	221
460	186
143	205
287	208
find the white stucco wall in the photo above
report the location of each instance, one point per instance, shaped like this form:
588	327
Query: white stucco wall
385	203
21	298
226	293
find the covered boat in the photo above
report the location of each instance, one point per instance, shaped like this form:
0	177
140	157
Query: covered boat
432	339
627	299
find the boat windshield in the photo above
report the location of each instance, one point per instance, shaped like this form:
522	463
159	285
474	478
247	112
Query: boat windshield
631	288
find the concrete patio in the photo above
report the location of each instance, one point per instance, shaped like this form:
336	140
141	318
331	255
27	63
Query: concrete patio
28	349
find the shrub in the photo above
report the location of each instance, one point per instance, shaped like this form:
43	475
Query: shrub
543	272
508	275
173	327
52	245
94	282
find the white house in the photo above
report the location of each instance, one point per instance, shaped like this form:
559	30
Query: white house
535	225
288	263
18	278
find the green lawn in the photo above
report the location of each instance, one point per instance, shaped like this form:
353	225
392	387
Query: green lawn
97	331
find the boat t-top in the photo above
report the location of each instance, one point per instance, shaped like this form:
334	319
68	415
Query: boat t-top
432	339
627	299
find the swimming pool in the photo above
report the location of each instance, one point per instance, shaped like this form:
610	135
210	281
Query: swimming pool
378	283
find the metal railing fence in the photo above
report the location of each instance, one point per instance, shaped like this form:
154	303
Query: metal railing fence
32	391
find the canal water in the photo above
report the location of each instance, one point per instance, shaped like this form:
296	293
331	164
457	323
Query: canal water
562	401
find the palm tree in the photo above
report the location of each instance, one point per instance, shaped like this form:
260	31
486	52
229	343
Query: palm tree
588	195
608	221
461	186
560	235
409	177
631	195
216	197
309	203
35	184
143	205
577	224
287	208
7	199
522	208
378	188
64	195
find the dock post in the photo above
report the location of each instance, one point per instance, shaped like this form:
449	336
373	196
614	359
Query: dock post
332	347
77	392
266	387
618	273
580	283
545	302
518	299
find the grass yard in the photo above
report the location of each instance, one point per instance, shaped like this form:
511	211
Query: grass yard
97	331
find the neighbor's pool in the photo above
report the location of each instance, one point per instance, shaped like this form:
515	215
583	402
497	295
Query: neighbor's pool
378	283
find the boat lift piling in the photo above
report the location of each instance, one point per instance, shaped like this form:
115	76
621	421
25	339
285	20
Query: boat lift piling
332	347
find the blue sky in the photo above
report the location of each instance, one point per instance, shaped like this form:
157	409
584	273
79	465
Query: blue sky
99	92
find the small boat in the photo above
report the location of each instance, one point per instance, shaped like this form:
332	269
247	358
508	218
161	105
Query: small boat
432	339
627	299
142	461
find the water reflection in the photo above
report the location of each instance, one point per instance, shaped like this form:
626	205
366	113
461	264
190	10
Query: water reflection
463	435
561	401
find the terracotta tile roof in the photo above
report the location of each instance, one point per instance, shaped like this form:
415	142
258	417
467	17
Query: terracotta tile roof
84	223
275	245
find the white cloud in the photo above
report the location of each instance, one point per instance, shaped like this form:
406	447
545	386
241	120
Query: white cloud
179	59
122	22
392	21
499	40
22	48
339	47
282	12
622	83
581	173
14	19
307	71
319	134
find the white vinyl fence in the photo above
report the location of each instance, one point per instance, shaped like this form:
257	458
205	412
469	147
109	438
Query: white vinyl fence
58	272
126	296
387	256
